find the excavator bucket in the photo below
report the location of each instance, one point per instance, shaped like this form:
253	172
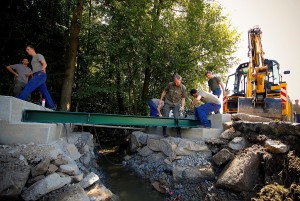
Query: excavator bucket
272	107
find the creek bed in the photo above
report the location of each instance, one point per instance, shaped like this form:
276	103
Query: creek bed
123	183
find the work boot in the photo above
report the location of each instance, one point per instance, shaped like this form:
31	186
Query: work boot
178	134
165	131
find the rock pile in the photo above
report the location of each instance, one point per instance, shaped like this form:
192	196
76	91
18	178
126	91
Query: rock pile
59	171
236	166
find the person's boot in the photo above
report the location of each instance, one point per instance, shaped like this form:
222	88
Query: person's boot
165	131
178	134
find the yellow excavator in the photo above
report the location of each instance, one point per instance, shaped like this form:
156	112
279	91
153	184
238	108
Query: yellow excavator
258	88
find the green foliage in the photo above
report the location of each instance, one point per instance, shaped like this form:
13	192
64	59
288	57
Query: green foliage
129	50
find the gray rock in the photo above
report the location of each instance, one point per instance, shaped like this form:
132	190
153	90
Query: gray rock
72	193
241	174
237	143
230	134
187	147
77	178
141	137
89	180
276	147
51	169
249	118
73	152
40	168
145	151
156	158
59	162
196	175
168	148
223	156
227	125
35	179
44	186
153	144
14	173
178	173
70	169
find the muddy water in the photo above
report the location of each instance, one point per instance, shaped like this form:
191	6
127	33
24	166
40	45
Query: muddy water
125	184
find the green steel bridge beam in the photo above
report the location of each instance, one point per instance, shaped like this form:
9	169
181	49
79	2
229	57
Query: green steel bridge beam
42	116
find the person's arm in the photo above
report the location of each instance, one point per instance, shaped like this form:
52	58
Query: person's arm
195	102
162	97
182	105
223	88
44	64
10	69
209	89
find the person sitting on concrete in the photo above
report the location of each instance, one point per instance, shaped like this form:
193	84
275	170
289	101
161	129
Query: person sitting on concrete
174	94
211	103
155	107
21	72
296	109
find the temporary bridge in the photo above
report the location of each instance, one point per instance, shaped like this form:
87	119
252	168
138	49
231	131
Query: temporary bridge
104	119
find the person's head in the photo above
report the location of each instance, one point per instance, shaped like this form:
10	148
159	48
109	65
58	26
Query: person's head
25	62
297	101
177	80
194	92
209	74
30	50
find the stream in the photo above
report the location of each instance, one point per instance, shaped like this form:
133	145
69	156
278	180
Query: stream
124	184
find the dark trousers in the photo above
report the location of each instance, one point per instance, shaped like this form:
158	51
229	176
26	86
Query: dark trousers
153	108
18	87
166	111
38	82
217	92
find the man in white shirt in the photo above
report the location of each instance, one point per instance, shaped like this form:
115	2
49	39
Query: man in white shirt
211	103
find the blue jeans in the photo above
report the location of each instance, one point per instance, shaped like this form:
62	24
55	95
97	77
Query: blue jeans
153	108
217	92
202	111
38	82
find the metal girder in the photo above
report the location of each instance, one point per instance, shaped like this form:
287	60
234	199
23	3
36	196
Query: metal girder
41	116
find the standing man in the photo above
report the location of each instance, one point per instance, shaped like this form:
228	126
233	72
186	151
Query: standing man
21	72
174	94
211	103
296	110
215	84
38	81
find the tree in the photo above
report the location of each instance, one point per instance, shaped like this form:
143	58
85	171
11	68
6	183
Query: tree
66	92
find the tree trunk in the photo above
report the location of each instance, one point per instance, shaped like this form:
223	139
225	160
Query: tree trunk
66	92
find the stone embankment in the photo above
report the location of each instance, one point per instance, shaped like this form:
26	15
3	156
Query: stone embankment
61	171
250	160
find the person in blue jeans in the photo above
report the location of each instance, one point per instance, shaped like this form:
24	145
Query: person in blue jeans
211	103
38	80
155	107
215	84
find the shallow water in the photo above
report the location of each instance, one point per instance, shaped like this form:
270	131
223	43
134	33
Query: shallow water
126	185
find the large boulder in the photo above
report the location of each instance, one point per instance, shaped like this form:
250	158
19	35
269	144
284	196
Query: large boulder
73	151
44	186
229	134
14	172
168	148
98	192
68	193
237	143
249	118
145	151
187	147
199	174
241	174
70	169
153	144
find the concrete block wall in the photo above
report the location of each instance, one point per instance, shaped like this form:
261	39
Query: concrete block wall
14	131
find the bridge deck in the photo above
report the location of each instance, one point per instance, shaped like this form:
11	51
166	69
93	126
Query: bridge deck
104	119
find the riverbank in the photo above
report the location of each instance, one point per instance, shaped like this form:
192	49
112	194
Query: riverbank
250	160
62	170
